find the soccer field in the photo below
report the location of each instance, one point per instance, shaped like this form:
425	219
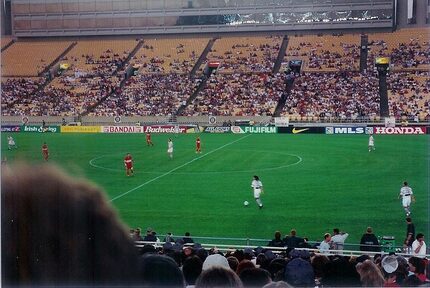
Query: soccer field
312	183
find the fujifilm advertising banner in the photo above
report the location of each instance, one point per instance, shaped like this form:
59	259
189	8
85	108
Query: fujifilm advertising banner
254	129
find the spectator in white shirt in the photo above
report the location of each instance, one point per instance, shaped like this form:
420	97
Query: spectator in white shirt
419	247
326	243
338	239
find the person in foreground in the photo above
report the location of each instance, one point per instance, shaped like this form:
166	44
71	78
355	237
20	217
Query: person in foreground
60	231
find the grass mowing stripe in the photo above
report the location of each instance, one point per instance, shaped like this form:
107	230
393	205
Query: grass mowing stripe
177	168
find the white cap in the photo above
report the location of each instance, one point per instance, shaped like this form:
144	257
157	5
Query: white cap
215	260
390	264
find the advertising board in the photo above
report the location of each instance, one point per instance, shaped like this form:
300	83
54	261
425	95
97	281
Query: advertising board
40	129
80	129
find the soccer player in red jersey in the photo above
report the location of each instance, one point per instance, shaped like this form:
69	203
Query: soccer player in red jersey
128	163
45	151
148	139
198	145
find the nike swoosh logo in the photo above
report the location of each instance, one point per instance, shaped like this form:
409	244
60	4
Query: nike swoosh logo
295	131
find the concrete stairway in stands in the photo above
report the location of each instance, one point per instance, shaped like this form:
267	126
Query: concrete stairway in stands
281	55
202	57
123	81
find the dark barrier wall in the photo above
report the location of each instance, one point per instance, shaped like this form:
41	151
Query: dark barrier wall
302	130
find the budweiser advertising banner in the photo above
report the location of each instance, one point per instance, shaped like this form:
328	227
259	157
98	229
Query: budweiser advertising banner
149	129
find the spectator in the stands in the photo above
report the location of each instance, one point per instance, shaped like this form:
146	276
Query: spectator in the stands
192	268
54	232
370	274
218	277
160	271
326	243
255	277
150	236
338	239
277	241
137	235
299	272
369	242
187	238
233	262
244	264
293	241
417	266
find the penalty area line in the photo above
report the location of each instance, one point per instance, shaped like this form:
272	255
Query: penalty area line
176	168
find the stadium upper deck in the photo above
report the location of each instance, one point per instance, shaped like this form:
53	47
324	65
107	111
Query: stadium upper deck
107	77
118	17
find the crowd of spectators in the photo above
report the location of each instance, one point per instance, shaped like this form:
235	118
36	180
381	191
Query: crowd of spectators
319	58
169	55
95	79
351	95
87	81
156	64
411	54
17	91
245	57
149	95
238	95
409	95
342	95
339	95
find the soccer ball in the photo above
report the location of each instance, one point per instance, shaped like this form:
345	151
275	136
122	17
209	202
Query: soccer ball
245	203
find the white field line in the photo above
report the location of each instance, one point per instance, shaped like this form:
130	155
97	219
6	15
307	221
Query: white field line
174	169
91	162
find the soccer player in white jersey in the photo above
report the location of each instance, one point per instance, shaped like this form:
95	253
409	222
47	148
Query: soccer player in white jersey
257	186
407	196
371	143
11	143
170	148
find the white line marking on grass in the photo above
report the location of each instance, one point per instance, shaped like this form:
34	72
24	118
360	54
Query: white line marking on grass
174	169
91	162
101	167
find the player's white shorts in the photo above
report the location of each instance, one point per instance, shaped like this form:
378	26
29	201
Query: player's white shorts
406	201
170	150
11	143
257	193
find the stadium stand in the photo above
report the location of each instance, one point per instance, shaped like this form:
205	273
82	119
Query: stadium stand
30	58
5	41
333	95
407	48
148	95
245	54
325	53
409	95
170	55
96	63
238	95
92	76
17	94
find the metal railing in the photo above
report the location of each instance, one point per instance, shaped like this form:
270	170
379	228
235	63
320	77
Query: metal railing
221	244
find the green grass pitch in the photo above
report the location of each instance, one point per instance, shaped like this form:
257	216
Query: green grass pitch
312	183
